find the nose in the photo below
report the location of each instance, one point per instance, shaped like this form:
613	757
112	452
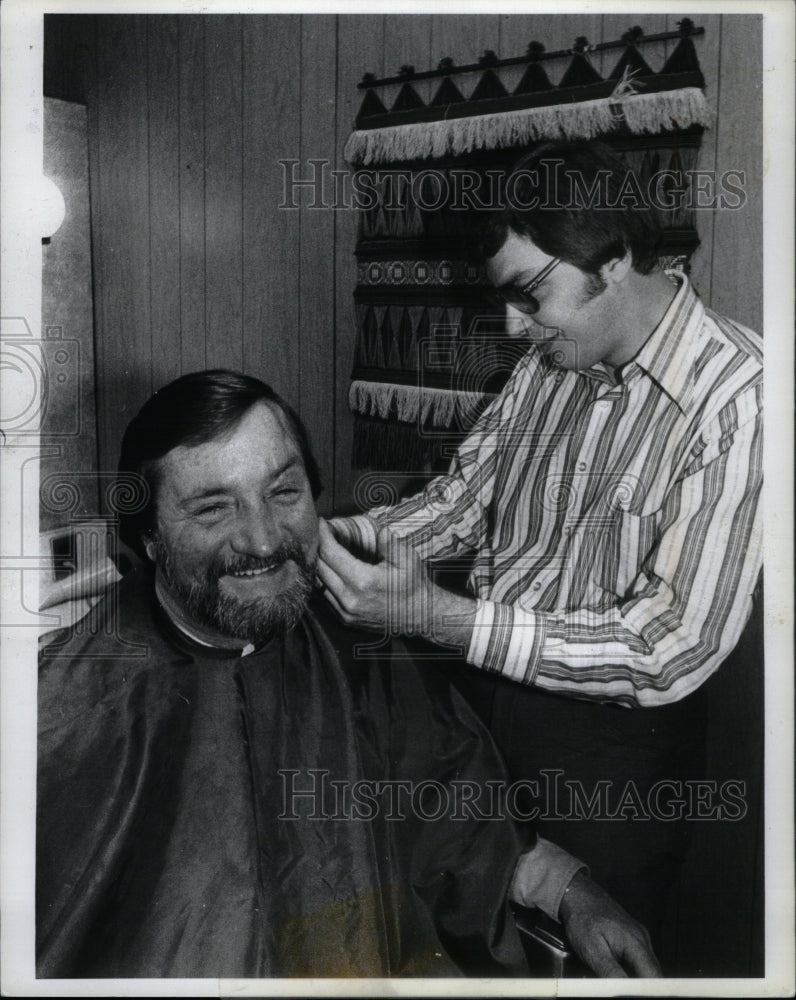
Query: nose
257	532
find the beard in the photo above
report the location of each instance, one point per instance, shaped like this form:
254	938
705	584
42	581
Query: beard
256	620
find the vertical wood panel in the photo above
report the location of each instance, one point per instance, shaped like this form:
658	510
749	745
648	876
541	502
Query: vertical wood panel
271	114
123	341
359	46
516	32
708	49
91	90
164	196
317	251
737	271
407	41
223	192
66	304
464	37
191	135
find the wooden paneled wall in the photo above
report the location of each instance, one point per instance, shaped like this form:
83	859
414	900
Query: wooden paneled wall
195	262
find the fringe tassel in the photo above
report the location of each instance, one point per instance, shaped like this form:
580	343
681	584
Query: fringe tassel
647	113
413	404
587	120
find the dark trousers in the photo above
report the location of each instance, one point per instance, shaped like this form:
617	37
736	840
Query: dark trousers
611	785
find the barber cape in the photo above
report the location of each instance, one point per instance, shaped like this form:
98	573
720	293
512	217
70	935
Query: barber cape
172	835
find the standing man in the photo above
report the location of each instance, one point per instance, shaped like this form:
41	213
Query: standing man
612	511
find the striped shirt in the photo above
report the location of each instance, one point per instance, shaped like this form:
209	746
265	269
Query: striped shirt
614	517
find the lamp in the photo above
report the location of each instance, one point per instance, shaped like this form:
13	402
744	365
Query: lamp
52	208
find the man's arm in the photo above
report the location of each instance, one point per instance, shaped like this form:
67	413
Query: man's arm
449	515
681	618
602	934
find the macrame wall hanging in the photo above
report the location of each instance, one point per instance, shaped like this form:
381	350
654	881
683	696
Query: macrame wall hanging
431	350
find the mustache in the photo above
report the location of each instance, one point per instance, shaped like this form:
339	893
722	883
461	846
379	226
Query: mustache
288	551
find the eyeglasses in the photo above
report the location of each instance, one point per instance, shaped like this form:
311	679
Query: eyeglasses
521	297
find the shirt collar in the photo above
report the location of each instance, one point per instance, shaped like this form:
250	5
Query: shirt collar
669	353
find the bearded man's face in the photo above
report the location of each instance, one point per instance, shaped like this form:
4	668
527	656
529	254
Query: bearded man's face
236	540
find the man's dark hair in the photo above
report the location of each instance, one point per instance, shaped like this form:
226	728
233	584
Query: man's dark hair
560	195
192	410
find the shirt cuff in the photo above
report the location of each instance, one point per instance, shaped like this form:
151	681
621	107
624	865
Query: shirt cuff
360	529
542	876
507	640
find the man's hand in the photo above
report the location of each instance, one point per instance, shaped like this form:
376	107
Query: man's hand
602	934
390	593
393	594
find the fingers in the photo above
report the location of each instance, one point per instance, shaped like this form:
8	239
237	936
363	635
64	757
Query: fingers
616	952
389	547
602	961
340	530
641	960
331	580
337	594
603	934
336	588
593	947
392	549
335	568
337	565
333	553
400	556
353	588
357	532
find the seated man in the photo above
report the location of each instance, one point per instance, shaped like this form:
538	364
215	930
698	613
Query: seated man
227	788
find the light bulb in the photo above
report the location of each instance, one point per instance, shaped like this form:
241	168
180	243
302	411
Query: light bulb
52	208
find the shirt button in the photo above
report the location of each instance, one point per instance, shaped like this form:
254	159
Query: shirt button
582	466
537	585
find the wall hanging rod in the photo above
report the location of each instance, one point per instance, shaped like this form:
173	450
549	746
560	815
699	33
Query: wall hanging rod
535	53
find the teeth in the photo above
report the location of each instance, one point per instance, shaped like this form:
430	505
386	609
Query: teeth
255	572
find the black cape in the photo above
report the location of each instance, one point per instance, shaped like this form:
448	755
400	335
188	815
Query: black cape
166	843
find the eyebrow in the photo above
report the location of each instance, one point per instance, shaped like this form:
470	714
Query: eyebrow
215	491
513	283
516	279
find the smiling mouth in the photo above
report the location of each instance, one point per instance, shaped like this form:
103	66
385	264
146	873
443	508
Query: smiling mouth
248	573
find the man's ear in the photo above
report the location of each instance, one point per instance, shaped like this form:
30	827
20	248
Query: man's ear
148	541
616	270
